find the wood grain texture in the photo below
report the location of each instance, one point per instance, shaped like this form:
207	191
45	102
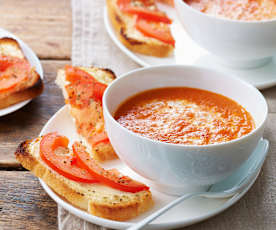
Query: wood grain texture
45	26
24	204
27	122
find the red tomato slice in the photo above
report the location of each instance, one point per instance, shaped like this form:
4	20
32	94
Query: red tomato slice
83	87
80	94
63	164
99	138
107	177
143	11
74	75
98	91
156	31
5	62
12	71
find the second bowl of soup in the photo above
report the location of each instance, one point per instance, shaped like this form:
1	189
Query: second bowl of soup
181	125
240	33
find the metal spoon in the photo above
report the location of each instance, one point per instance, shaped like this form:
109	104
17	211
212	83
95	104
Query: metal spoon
235	183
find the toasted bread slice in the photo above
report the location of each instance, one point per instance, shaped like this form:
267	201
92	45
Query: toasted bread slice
96	198
27	89
90	118
124	25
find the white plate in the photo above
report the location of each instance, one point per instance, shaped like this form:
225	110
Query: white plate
189	53
187	213
34	61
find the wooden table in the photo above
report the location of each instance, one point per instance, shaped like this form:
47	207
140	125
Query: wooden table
23	203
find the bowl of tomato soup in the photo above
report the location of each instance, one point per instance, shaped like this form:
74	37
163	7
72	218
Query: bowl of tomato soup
240	33
181	126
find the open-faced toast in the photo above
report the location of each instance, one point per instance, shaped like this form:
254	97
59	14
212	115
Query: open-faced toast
138	34
18	80
96	198
85	109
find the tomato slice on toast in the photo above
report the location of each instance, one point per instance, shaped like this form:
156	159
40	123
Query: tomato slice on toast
155	30
110	178
64	164
83	87
13	71
143	10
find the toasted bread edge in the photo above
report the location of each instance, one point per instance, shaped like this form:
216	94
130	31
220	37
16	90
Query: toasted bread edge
11	42
29	93
110	211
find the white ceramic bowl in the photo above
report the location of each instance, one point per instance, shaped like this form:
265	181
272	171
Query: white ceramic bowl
236	43
173	167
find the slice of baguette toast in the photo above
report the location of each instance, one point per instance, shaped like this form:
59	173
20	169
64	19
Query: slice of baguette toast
91	115
26	89
97	199
124	25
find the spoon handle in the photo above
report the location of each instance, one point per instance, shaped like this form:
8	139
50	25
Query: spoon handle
159	212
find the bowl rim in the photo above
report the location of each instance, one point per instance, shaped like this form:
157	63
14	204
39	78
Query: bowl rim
187	6
128	74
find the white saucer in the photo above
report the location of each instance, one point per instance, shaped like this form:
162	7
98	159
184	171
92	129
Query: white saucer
32	58
187	213
189	53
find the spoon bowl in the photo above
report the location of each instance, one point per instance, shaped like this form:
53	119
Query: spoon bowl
242	176
232	185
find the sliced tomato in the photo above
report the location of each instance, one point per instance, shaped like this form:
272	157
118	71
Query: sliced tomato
82	87
143	11
98	91
74	74
98	138
63	164
13	71
80	94
107	177
5	62
155	30
149	15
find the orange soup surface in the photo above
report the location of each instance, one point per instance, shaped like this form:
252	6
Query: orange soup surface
182	115
246	10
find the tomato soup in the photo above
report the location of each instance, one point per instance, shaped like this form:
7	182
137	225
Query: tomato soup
182	115
246	10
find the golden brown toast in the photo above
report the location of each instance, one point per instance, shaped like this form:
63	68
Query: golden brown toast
97	199
28	89
90	117
124	25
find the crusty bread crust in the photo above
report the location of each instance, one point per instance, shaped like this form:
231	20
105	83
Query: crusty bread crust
101	151
27	90
143	45
121	206
10	47
104	152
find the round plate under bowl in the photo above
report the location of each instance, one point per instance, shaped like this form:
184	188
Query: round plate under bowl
34	61
189	212
187	52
